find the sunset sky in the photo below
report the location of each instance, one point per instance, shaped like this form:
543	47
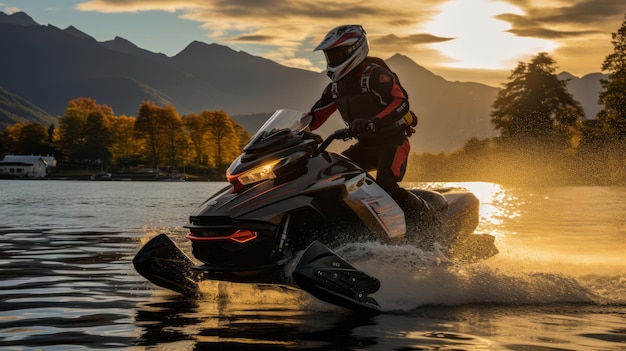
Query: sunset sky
465	40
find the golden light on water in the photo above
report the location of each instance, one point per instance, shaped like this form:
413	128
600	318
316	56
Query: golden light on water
496	204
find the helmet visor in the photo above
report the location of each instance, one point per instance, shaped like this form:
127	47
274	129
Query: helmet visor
337	56
341	54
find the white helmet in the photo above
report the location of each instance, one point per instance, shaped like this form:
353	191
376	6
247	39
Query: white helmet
345	47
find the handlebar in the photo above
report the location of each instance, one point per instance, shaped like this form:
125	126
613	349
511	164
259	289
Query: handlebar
343	134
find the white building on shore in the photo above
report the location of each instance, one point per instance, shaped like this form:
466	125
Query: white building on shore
26	166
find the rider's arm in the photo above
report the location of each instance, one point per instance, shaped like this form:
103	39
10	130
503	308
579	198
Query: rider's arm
384	85
322	109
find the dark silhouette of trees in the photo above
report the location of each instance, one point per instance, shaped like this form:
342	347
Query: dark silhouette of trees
26	138
536	106
613	116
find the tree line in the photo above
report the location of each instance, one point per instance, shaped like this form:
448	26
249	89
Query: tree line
91	135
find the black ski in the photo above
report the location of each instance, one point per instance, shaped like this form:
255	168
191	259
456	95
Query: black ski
164	264
330	278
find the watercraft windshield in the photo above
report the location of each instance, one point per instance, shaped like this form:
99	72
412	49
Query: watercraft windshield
295	121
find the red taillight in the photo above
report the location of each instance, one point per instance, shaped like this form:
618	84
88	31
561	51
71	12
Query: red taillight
241	236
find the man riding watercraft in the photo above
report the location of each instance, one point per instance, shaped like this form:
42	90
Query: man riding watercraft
289	200
372	102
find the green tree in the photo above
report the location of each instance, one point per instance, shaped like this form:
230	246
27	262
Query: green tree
613	97
536	106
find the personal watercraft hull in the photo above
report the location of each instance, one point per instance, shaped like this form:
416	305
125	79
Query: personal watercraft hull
319	271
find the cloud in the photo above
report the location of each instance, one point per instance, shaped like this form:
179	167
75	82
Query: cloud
583	12
9	10
228	19
524	27
282	29
408	40
119	6
287	31
564	19
301	63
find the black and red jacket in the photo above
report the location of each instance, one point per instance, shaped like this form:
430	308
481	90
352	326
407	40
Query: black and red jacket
370	91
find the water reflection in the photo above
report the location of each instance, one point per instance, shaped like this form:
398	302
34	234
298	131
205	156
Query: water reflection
61	287
498	204
172	321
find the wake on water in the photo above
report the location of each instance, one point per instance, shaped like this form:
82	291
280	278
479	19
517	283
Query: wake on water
412	278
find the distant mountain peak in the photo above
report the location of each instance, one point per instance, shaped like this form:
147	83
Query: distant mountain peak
17	18
402	62
565	75
120	43
199	47
71	30
126	46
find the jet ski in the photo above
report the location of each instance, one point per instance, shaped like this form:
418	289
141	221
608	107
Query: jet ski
289	203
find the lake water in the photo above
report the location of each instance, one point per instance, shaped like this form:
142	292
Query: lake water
67	281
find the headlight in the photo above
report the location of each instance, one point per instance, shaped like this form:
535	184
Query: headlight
257	174
264	171
254	175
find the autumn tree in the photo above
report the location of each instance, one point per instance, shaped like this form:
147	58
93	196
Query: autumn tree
223	139
175	138
26	138
613	97
536	106
243	136
97	140
83	130
125	148
216	138
161	127
197	127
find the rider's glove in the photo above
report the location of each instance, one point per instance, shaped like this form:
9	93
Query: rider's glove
360	125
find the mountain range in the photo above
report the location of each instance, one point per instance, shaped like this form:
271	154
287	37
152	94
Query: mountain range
44	67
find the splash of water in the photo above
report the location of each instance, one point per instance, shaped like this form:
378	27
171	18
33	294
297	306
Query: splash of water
411	278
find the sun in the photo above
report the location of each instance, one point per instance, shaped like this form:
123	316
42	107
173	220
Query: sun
481	41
